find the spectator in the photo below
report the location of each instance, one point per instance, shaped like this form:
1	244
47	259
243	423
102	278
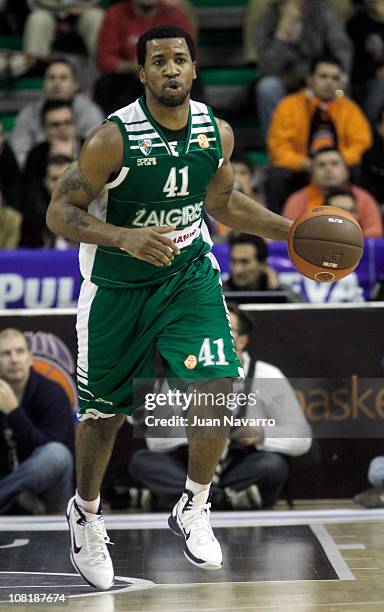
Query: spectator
9	172
366	30
243	181
59	128
10	226
36	424
373	497
254	10
35	233
329	172
254	468
289	35
310	120
249	270
372	167
41	24
116	50
59	84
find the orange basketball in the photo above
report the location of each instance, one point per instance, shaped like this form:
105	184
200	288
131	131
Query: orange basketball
325	243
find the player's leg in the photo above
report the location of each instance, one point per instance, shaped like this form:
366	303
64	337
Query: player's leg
110	352
198	347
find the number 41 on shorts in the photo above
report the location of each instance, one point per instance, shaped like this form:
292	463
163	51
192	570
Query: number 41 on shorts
212	353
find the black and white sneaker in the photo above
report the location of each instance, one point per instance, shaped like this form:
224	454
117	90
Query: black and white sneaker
89	553
190	519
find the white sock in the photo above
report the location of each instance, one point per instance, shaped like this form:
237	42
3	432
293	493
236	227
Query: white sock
88	506
196	487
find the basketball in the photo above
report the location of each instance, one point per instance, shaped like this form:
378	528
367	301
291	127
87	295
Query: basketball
325	243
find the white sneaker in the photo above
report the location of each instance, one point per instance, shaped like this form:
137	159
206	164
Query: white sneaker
89	553
190	518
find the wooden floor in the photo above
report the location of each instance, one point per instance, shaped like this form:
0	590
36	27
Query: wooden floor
293	561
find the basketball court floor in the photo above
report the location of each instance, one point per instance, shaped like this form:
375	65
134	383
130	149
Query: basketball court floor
291	561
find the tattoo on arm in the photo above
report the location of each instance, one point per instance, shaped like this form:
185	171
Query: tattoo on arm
72	180
76	219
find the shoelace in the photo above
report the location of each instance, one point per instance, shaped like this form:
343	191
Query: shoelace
198	518
96	539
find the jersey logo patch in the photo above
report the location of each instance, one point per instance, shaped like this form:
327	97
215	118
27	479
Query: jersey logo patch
145	146
146	161
190	362
203	141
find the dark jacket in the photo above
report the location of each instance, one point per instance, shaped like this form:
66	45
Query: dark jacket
44	415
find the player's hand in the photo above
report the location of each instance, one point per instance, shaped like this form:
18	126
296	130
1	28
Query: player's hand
150	244
8	400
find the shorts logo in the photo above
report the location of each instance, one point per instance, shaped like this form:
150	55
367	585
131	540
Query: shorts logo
145	146
190	362
203	141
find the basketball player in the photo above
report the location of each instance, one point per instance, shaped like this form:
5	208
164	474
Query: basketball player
135	199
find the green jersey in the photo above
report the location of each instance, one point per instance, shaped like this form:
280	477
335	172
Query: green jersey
161	183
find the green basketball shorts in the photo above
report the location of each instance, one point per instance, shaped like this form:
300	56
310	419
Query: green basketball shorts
185	319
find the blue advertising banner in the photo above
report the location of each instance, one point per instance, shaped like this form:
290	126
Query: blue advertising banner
34	278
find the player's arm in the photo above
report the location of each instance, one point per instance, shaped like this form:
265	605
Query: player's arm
101	156
235	209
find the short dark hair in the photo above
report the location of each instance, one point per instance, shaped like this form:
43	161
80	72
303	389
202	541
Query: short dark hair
52	105
324	59
333	193
168	31
259	243
245	321
63	60
240	158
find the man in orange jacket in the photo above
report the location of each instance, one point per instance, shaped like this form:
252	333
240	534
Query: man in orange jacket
330	185
309	120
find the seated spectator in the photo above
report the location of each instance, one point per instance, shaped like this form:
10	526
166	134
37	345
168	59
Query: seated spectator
366	30
9	172
329	172
254	10
254	467
60	83
10	226
249	270
372	167
289	35
123	25
373	497
61	138
313	119
42	22
35	233
243	181
37	430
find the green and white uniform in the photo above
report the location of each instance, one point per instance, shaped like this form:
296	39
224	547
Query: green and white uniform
127	307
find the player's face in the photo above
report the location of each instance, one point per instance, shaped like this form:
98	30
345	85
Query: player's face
245	267
59	83
329	170
242	178
169	71
59	124
15	359
325	81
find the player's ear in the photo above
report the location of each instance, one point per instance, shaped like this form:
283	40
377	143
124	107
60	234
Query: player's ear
242	342
142	75
194	70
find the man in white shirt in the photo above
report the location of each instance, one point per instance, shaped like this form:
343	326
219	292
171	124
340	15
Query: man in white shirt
254	466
